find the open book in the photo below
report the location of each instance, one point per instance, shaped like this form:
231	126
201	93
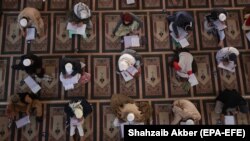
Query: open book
130	1
219	25
68	83
31	33
132	70
77	30
32	84
23	121
131	41
230	67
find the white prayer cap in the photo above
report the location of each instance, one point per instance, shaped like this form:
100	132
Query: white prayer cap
23	22
130	117
69	68
222	17
78	113
189	122
80	10
26	62
125	61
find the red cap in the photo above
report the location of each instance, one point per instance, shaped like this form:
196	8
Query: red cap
127	17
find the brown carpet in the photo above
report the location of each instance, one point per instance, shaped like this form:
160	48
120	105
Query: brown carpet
157	83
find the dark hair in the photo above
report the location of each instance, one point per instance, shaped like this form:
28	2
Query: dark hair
232	57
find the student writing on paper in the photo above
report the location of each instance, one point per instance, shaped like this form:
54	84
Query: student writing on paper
216	15
31	64
180	19
77	111
24	102
30	17
185	113
184	64
123	106
80	14
72	70
129	58
128	24
230	102
227	54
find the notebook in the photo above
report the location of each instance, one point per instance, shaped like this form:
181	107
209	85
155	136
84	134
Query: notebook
127	77
22	121
132	70
131	41
31	33
230	67
32	84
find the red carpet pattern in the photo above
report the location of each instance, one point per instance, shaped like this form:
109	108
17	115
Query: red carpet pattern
157	83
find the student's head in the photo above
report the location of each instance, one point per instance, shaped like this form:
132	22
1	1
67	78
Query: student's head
24	22
130	112
77	109
15	98
81	11
69	68
127	18
222	17
230	57
27	62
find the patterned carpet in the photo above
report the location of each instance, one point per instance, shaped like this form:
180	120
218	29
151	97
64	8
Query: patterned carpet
100	51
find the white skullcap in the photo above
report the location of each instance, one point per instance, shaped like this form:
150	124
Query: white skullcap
125	61
69	68
189	122
26	62
78	113
130	117
222	17
80	10
23	22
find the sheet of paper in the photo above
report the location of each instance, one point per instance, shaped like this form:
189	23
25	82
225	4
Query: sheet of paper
68	86
182	34
193	80
31	33
248	35
71	80
184	42
126	76
229	120
23	121
132	70
32	84
130	1
131	41
230	67
219	25
77	30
